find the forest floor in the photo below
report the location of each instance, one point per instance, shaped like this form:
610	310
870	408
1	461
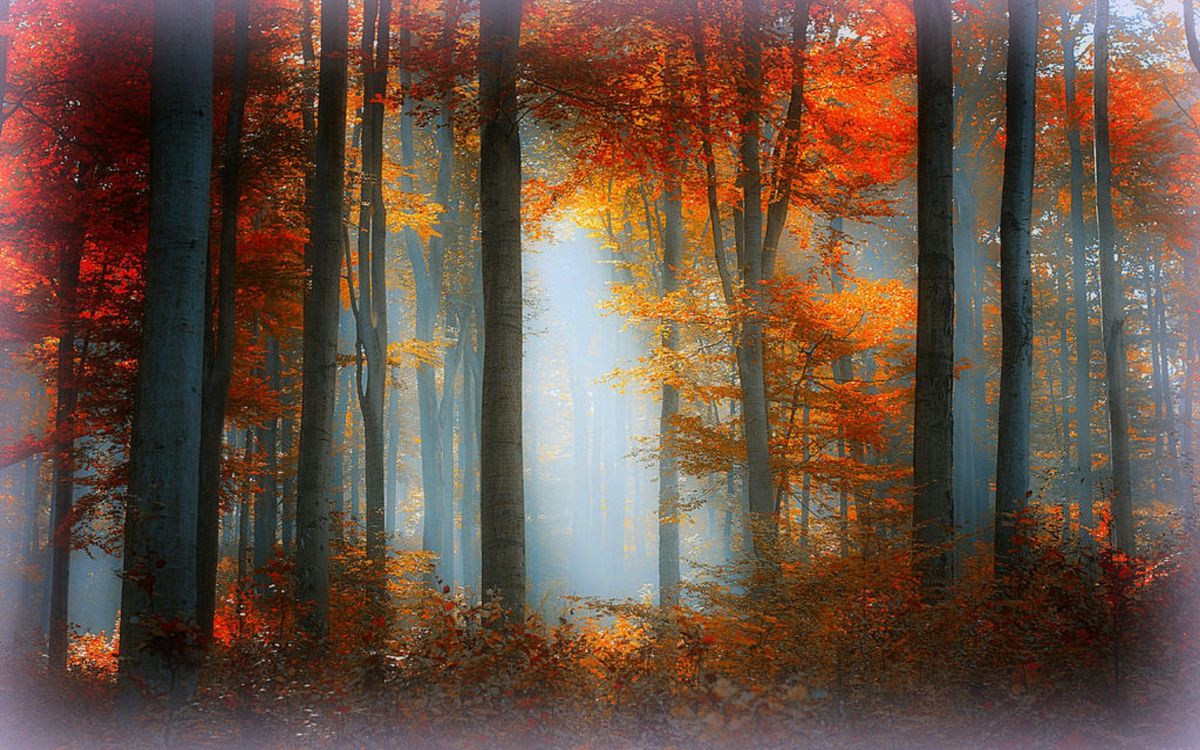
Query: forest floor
1090	649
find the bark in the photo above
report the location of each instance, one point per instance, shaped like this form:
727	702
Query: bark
218	347
1112	305
668	466
159	585
1016	281
1189	29
371	310
61	522
502	502
755	417
243	511
933	502
1079	289
321	308
266	517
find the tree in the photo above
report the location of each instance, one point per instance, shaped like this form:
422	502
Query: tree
158	596
1189	28
668	466
502	497
1079	290
218	346
61	521
321	308
370	311
933	502
1112	302
1016	277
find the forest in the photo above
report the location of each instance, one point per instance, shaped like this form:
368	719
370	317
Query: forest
599	374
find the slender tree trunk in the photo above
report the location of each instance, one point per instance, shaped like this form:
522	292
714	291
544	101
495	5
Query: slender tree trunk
933	429
1079	287
502	501
1112	302
61	523
371	312
218	354
755	409
321	309
244	505
159	585
266	518
668	466
1016	281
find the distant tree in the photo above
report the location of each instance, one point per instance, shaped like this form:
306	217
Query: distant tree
1079	273
1112	301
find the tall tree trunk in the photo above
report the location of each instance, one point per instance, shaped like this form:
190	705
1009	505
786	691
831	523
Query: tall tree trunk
668	466
1079	288
1112	304
971	485
371	311
933	429
1016	280
755	409
502	500
321	309
159	585
218	351
61	522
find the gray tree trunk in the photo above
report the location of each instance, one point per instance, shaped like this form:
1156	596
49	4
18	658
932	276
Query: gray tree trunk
1112	303
668	466
321	309
755	409
159	584
266	508
1079	289
61	536
218	351
1016	280
371	310
933	429
502	500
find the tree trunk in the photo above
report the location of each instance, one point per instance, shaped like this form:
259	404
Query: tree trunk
61	523
668	466
1112	304
755	417
159	585
1079	289
933	429
218	352
266	516
1016	281
1189	30
502	502
243	511
371	312
321	309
